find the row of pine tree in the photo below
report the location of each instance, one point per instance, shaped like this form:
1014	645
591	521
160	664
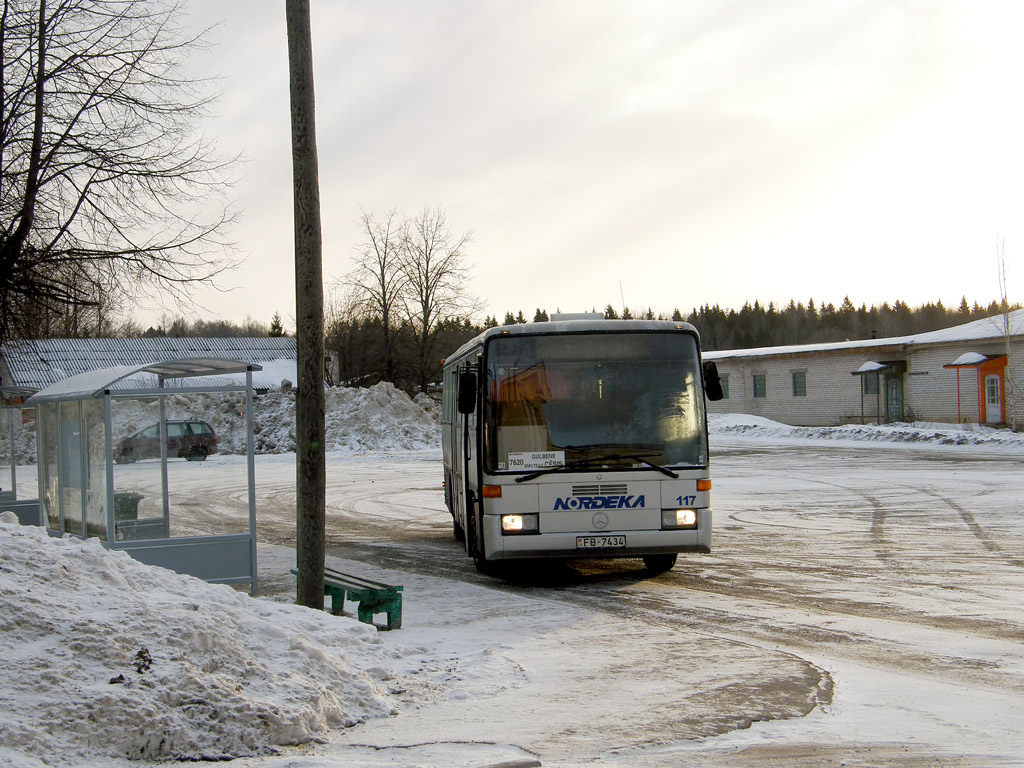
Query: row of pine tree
357	342
755	325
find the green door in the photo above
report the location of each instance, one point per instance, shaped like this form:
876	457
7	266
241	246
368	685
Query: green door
894	398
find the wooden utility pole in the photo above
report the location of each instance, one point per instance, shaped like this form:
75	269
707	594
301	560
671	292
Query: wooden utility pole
311	476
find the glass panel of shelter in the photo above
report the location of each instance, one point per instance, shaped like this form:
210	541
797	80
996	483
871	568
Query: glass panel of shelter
205	496
71	442
19	473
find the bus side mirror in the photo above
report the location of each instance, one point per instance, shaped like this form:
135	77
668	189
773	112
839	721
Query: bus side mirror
467	392
712	382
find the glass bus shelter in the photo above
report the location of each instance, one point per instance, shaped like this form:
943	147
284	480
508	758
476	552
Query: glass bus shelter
82	421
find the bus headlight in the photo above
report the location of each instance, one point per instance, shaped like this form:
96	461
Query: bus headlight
516	524
679	518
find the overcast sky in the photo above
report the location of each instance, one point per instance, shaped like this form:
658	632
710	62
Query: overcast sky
670	154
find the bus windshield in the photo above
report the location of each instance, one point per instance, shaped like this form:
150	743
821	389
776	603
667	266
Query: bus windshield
593	400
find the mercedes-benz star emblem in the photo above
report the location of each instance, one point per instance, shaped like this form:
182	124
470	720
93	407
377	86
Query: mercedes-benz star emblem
600	521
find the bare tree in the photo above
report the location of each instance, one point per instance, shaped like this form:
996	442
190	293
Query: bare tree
104	179
344	323
436	273
380	279
95	313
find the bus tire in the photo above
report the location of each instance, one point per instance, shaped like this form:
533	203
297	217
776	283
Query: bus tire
659	563
483	565
469	533
460	534
473	542
448	494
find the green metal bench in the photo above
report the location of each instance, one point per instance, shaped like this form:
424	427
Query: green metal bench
372	596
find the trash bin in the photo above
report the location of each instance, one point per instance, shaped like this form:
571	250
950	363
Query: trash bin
126	505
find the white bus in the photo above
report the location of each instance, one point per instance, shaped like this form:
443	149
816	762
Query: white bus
579	438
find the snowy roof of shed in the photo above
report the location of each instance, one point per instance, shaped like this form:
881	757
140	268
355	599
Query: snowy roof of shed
42	362
91	384
871	367
968	359
988	328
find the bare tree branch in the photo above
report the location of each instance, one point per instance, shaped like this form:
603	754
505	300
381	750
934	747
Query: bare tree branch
436	274
379	279
102	171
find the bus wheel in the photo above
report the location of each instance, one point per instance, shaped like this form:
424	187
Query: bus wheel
460	534
659	563
470	534
485	566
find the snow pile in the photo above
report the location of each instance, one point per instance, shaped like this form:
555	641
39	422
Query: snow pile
104	657
377	418
428	404
24	441
928	433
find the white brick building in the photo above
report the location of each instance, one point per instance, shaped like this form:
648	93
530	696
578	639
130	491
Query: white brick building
969	373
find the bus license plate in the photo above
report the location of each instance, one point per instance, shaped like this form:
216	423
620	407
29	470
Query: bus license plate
600	542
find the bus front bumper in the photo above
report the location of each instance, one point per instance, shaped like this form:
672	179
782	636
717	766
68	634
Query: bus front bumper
581	544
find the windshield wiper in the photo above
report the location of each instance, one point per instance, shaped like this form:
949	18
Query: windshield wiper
580	463
652	465
643	454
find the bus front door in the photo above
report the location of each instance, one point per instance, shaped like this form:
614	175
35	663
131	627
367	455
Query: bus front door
467	490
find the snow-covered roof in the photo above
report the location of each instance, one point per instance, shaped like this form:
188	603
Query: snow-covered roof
968	358
41	362
92	383
987	328
871	367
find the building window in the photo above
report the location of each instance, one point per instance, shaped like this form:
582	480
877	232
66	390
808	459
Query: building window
725	386
870	383
799	383
760	389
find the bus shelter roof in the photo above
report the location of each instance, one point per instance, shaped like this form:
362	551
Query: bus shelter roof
92	384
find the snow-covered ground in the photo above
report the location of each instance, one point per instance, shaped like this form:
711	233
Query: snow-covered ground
104	661
928	434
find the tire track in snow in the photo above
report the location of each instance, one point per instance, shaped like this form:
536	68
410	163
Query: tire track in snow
968	518
791	686
879	520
